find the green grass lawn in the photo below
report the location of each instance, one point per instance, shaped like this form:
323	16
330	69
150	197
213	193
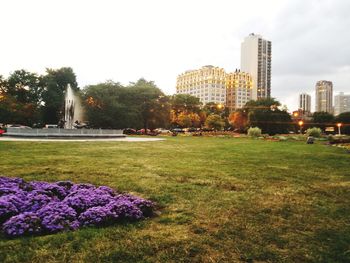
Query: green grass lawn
220	199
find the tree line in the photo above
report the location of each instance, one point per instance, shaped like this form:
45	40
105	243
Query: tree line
35	100
30	99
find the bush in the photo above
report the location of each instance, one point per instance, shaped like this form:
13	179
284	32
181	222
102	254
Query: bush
42	207
315	132
254	132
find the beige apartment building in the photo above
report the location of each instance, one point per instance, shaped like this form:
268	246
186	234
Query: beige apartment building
206	83
213	84
238	89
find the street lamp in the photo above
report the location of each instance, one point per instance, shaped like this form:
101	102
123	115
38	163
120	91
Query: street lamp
300	126
220	106
339	125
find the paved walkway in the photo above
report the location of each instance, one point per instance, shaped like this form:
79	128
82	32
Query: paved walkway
126	139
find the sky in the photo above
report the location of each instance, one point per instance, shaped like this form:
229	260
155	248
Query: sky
159	39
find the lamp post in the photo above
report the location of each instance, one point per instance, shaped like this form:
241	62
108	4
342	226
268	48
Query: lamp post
300	125
339	125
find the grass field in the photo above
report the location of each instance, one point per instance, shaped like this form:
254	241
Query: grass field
220	199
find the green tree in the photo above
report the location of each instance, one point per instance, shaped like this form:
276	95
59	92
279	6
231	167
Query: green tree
265	114
55	82
152	104
103	106
215	122
214	108
22	93
140	105
185	103
322	119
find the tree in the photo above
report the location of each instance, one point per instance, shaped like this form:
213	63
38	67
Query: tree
140	105
239	120
103	108
185	103
55	82
344	119
215	122
152	104
22	94
265	114
186	111
322	119
184	120
213	108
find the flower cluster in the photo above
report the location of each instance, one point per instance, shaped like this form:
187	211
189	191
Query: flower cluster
28	208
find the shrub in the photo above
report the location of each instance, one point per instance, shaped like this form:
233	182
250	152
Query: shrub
315	132
254	132
42	207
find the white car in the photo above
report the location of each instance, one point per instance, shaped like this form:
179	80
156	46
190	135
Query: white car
162	131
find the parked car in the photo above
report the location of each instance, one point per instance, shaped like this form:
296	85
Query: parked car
143	132
192	129
129	131
2	132
206	130
177	130
162	131
51	126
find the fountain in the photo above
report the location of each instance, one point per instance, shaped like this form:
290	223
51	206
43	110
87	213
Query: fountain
73	117
73	111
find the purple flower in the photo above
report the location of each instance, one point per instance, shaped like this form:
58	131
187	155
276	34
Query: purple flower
65	184
7	209
82	186
26	223
9	190
36	200
124	210
50	189
42	207
18	200
83	199
144	205
57	216
106	190
98	215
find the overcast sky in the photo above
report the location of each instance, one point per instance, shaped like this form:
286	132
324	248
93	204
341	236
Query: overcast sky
158	39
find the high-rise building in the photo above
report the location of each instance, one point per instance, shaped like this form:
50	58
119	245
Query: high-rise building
206	83
256	60
238	89
341	103
305	102
324	96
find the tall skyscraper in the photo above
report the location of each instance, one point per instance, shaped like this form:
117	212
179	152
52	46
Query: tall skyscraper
206	83
256	60
324	96
305	102
341	103
238	89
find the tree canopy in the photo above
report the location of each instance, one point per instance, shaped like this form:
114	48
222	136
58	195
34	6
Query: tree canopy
265	114
139	105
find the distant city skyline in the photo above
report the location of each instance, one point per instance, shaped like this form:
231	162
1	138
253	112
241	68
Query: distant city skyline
157	40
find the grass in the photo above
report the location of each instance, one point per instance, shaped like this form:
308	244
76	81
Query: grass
221	200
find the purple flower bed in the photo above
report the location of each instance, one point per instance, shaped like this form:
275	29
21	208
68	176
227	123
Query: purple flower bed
30	208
